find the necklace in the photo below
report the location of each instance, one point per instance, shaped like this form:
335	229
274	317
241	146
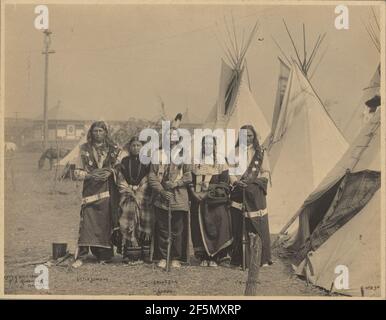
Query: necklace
99	154
139	172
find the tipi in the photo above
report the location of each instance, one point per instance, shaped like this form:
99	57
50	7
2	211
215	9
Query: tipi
72	159
340	220
236	105
304	144
361	112
284	72
73	155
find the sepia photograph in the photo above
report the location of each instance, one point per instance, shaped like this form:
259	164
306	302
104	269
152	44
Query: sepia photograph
192	150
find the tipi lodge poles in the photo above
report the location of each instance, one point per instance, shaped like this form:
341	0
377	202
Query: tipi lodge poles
304	64
234	49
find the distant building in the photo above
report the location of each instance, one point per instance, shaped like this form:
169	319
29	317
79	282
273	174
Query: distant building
66	127
63	126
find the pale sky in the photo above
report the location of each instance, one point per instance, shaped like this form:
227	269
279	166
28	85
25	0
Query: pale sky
112	61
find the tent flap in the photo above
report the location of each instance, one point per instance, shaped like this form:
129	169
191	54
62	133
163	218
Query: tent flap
354	192
356	247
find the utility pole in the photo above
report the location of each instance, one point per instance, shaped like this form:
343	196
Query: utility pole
16	118
16	130
46	52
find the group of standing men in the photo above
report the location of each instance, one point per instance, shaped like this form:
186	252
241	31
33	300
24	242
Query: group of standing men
149	211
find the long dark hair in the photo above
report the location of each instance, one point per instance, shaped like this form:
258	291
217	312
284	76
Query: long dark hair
256	144
132	139
214	148
169	132
99	124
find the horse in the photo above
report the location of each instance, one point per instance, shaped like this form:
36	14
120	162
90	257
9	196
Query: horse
10	147
51	154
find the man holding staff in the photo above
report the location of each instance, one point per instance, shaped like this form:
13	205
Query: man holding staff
171	204
248	207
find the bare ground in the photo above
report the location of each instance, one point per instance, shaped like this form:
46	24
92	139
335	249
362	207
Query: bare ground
40	211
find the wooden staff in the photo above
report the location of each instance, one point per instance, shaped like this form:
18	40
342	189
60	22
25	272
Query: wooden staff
188	235
169	238
244	240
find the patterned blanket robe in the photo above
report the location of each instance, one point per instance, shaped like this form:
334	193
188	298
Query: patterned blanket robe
135	205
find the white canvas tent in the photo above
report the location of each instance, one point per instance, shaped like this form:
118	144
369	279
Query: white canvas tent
360	113
340	220
242	109
211	119
357	246
72	159
73	156
284	72
305	145
236	105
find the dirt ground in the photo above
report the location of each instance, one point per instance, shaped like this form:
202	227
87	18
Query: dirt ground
40	211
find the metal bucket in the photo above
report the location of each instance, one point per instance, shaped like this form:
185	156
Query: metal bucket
59	250
134	253
146	253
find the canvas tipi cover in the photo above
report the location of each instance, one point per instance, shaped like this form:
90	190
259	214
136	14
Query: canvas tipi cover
284	72
305	146
358	117
211	119
339	221
245	111
356	246
236	105
73	156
